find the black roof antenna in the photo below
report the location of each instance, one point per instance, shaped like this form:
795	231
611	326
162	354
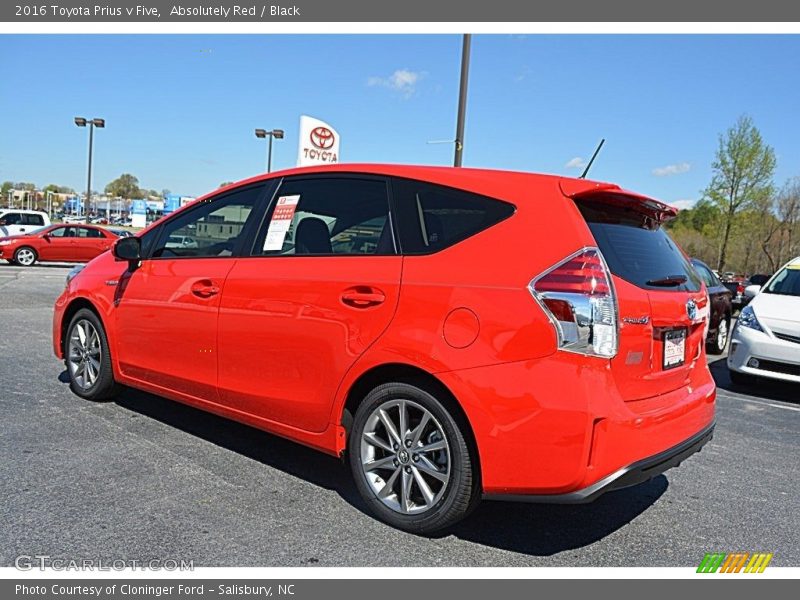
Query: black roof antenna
589	166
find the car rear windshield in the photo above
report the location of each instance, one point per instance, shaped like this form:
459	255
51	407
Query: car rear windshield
786	283
637	249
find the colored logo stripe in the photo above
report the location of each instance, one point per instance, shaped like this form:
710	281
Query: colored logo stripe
735	562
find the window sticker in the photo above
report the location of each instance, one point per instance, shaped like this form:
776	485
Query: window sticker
281	219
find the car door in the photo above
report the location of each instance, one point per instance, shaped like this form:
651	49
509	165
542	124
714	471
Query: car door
88	243
56	244
321	285
11	223
166	310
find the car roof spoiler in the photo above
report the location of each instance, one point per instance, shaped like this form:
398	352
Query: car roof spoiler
609	193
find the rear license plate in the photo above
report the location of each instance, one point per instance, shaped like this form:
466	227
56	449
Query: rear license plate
674	348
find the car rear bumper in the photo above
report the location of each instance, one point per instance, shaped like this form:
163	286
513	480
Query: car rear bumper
547	428
633	474
777	359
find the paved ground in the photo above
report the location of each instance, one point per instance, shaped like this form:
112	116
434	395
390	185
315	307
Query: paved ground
147	478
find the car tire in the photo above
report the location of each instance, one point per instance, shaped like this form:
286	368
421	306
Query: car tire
25	256
741	378
720	341
403	484
88	359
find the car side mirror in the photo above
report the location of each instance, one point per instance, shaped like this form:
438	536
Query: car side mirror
129	249
751	290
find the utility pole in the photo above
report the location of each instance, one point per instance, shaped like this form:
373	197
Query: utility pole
462	99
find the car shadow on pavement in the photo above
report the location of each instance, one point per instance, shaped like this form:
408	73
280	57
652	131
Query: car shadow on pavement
766	389
547	529
537	529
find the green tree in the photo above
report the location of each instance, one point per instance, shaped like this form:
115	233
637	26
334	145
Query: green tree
125	186
743	171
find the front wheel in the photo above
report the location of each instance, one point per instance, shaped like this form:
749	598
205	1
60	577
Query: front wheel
88	358
25	256
410	460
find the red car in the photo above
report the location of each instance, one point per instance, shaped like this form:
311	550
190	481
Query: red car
56	243
454	333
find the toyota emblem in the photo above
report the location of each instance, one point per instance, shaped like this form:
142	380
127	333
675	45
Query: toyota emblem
691	309
322	137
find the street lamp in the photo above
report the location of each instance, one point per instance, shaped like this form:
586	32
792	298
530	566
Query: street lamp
82	122
275	133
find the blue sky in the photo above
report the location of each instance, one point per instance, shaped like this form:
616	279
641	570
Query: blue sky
181	109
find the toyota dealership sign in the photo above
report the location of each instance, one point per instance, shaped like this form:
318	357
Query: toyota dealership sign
319	143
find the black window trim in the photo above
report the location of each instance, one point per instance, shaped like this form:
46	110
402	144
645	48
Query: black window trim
266	215
459	239
244	237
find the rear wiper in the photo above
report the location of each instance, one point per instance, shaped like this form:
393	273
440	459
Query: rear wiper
668	281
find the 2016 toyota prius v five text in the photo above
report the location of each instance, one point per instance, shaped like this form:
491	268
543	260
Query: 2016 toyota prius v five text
455	333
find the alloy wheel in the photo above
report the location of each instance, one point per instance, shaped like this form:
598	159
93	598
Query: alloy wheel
405	456
84	354
722	334
26	257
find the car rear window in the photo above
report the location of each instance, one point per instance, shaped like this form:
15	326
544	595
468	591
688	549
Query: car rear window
637	249
433	217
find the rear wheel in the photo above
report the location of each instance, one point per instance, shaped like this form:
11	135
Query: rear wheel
717	345
25	256
410	460
88	358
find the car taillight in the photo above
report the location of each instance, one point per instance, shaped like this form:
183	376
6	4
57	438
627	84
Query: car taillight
740	289
578	296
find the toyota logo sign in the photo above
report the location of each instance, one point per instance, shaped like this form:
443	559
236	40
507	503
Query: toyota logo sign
322	138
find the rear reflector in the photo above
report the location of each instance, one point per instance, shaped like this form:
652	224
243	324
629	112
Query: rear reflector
578	297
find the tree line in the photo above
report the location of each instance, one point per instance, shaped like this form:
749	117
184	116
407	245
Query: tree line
743	222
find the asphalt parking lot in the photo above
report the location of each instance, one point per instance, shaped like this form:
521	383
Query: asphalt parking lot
143	477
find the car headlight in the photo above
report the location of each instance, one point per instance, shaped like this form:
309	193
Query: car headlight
73	272
747	318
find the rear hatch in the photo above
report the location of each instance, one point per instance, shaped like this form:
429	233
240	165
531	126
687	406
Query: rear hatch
662	304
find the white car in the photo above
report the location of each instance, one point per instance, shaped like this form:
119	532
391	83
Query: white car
766	339
16	222
180	241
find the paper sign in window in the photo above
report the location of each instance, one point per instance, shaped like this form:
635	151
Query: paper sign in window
280	222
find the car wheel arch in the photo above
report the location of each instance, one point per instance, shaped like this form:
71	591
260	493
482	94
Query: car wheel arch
405	373
72	308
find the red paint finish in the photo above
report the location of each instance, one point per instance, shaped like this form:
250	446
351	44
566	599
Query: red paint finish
61	243
278	342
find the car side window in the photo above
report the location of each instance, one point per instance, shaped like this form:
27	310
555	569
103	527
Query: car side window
87	232
328	216
58	232
28	219
11	219
705	274
210	228
433	217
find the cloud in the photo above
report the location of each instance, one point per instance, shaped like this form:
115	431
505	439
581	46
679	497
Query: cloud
402	81
682	204
575	163
675	169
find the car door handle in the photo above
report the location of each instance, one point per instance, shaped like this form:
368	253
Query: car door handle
204	289
363	297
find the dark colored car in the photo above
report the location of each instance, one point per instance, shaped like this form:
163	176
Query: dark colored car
721	308
738	298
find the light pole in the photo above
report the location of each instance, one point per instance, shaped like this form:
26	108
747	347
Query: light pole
462	99
275	133
82	122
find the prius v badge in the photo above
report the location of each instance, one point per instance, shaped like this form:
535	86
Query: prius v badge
636	320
